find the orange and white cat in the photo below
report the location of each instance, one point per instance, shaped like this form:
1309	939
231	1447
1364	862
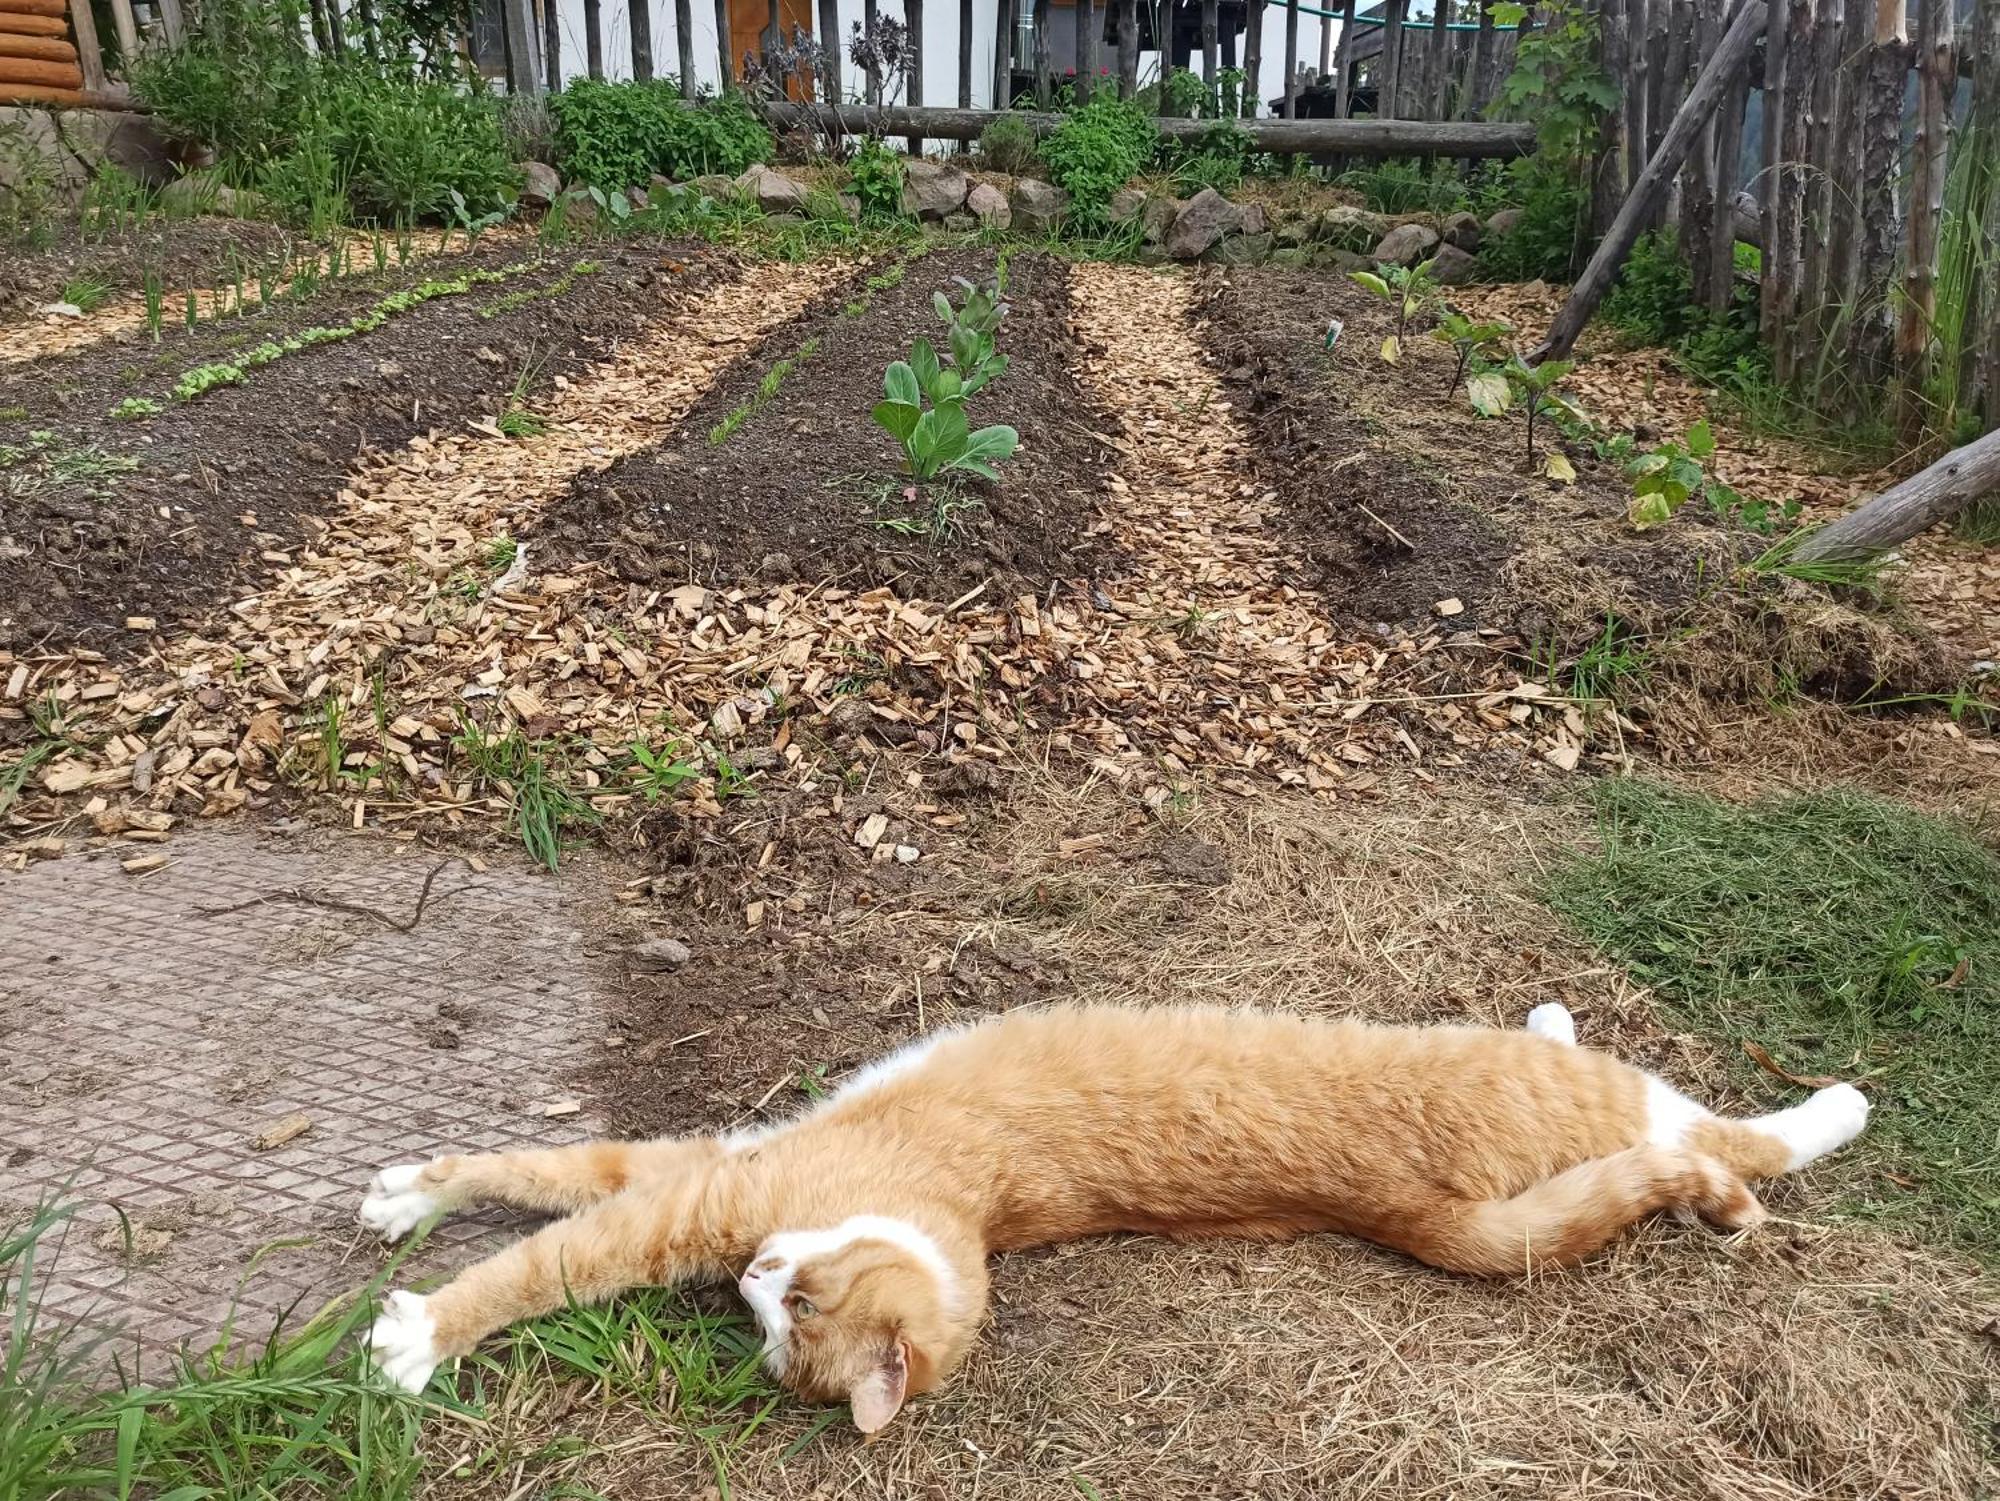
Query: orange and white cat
859	1233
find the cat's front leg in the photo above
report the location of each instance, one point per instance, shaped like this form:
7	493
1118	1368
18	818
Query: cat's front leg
637	1238
558	1180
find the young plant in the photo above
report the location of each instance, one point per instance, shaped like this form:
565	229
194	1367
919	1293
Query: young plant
656	773
1535	387
937	439
969	339
134	407
876	174
1407	289
1664	476
155	305
1488	389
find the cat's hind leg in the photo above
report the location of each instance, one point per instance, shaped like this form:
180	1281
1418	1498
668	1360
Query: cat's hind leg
1563	1219
1786	1140
557	1180
1552	1020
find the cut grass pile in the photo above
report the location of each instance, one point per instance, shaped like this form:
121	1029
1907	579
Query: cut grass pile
299	1415
1846	935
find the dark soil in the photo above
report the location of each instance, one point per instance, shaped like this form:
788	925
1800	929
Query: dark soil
807	485
244	469
1405	500
183	252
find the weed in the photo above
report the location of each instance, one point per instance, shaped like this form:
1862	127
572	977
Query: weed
875	174
86	293
657	773
1008	145
729	781
517	421
155	304
1097	150
543	805
1607	671
1839	573
616	135
1844	933
767	388
499	554
939	518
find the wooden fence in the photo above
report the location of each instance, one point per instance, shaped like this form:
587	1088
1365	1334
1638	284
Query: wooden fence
51	51
1863	112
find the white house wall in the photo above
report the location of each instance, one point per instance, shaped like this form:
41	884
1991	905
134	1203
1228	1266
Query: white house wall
940	45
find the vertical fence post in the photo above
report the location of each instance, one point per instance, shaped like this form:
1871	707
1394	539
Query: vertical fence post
1985	118
683	43
1881	154
640	17
1211	44
1440	60
551	45
89	51
1611	179
1389	76
829	47
1728	173
913	73
1003	56
524	71
1044	66
593	38
1473	100
1771	164
964	50
1253	60
1128	48
1937	77
1342	65
1844	170
1638	74
1291	59
1698	205
1822	201
723	46
1783	268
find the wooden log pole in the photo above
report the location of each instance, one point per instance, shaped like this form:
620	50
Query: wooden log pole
1440	61
1639	65
1728	173
1985	116
174	25
1343	65
1770	165
1844	157
1881	224
640	20
1377	138
551	45
683	44
913	70
1086	49
726	79
593	37
1783	259
1003	55
1822	200
127	29
1698	217
870	14
1211	45
1920	502
1291	59
524	75
1731	56
1473	102
1611	178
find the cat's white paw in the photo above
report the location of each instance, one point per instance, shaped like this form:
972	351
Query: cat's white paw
1552	1020
1825	1123
394	1205
402	1344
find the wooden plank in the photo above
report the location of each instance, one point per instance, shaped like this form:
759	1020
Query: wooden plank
1732	55
1937	76
127	29
1475	138
89	55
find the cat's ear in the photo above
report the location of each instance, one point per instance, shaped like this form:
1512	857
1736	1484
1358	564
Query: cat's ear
878	1396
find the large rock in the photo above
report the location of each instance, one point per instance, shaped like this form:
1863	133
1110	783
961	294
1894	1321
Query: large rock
774	192
1348	228
1253	219
539	184
1243	250
1461	229
1037	207
1157	218
1207	217
578	206
988	205
1451	266
1126	205
1503	222
715	185
931	190
1406	244
1295	232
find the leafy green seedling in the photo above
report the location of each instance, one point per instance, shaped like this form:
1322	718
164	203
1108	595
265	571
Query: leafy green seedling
1488	389
1407	290
1535	387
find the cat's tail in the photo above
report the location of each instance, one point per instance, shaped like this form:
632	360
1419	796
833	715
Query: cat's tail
1563	1219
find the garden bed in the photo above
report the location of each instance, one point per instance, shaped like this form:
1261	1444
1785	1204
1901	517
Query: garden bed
1416	513
804	485
110	518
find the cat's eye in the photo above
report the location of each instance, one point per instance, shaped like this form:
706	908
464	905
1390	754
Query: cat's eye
802	1308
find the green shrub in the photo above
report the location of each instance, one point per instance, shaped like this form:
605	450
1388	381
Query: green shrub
616	135
327	139
1548	241
1653	298
1217	158
1095	152
1008	145
877	177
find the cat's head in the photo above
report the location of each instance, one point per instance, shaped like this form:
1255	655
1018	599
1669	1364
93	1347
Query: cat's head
869	1312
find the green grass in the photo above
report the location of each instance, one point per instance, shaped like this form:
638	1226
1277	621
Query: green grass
1834	573
767	388
297	1414
530	773
1846	934
86	293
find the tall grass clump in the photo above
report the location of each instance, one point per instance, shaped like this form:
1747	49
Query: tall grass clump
327	140
1844	934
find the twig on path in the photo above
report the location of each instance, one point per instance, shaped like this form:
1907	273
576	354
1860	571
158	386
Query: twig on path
314	899
1385	526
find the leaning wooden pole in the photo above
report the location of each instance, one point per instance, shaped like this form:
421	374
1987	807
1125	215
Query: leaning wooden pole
1917	504
1730	57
